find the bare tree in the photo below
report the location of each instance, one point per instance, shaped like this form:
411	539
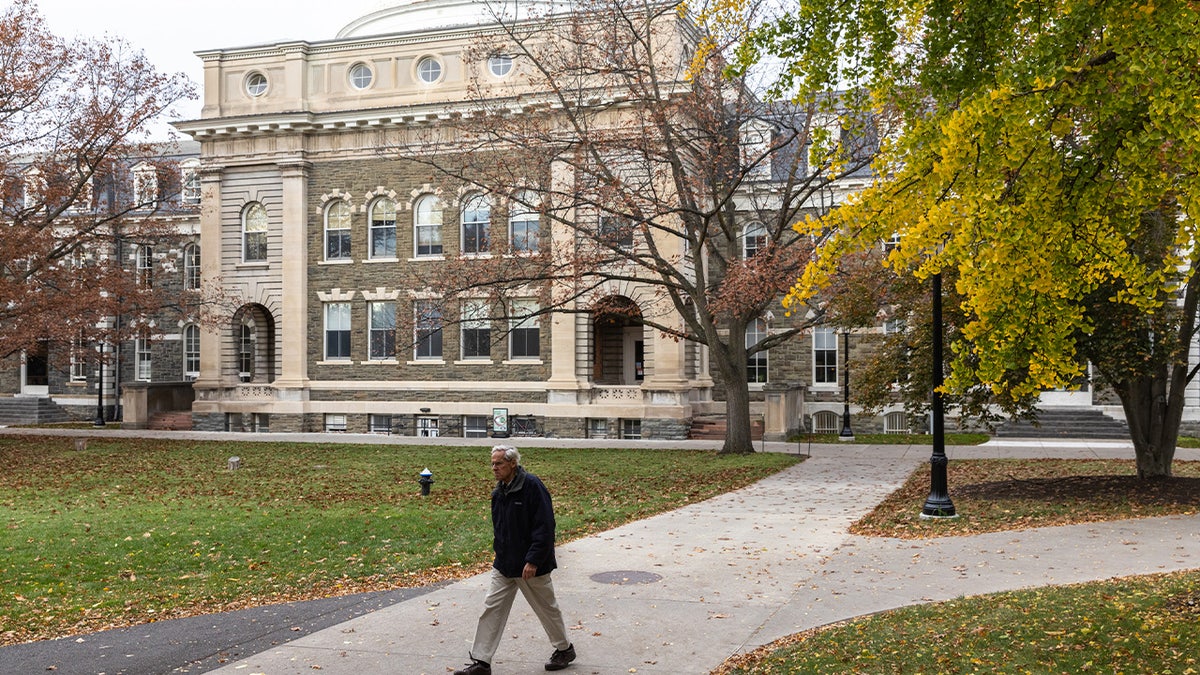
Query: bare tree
74	117
661	177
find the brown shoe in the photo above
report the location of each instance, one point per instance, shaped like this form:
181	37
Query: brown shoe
475	668
561	658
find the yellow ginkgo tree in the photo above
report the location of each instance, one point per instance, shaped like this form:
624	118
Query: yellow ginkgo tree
1050	158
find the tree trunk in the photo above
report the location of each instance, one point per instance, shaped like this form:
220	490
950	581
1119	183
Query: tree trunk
737	419
1153	407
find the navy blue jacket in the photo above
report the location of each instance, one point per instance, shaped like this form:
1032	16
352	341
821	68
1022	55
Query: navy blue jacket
522	525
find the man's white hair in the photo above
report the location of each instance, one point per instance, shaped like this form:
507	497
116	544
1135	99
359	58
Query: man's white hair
511	454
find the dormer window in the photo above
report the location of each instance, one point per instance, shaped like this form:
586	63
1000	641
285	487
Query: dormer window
754	140
189	181
34	186
145	186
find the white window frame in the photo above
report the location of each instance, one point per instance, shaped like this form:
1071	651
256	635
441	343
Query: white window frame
143	359
335	423
427	227
428	331
341	228
757	364
191	267
360	76
189	182
385	332
754	239
475	426
144	262
477	215
523	322
523	215
430	70
475	318
338	322
145	186
824	344
79	360
825	422
379	226
427	426
191	351
256	84
500	65
254	232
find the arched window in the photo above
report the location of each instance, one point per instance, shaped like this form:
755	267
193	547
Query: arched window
754	239
896	423
254	233
246	352
476	221
191	267
523	223
427	226
383	228
756	364
825	422
191	352
337	231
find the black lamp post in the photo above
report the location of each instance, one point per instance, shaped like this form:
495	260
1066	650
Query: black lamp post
938	504
99	421
846	434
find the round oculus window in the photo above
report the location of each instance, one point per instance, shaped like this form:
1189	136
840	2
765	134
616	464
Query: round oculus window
429	70
256	84
361	76
500	65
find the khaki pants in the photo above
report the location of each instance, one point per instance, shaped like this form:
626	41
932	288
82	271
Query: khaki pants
538	591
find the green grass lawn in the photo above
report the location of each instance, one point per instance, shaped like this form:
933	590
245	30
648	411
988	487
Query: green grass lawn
1144	625
129	531
1139	625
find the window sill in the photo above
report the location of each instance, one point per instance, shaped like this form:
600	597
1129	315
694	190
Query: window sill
427	258
379	362
427	362
381	260
474	362
336	362
523	362
479	256
336	261
253	265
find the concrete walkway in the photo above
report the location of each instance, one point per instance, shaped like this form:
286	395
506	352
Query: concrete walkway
683	591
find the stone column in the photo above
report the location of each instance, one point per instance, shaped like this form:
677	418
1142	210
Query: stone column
211	336
563	338
293	320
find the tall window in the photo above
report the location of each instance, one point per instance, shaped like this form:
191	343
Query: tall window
427	225
145	265
476	221
616	231
525	334
254	233
476	330
523	224
191	352
754	239
756	364
191	267
382	329
383	228
246	353
143	359
190	182
428	330
825	356
337	331
337	231
145	186
79	360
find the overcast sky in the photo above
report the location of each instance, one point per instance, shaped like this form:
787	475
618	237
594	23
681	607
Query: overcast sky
170	32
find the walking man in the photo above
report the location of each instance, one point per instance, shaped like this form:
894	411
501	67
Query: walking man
523	539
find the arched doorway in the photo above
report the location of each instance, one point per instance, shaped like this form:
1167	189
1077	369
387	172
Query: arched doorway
253	334
618	342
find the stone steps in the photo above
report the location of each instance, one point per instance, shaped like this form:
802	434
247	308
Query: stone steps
1081	423
31	410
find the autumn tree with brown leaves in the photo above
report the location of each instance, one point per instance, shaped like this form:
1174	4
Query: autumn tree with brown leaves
74	116
621	130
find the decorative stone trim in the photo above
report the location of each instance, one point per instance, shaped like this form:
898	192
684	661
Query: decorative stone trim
335	295
380	293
